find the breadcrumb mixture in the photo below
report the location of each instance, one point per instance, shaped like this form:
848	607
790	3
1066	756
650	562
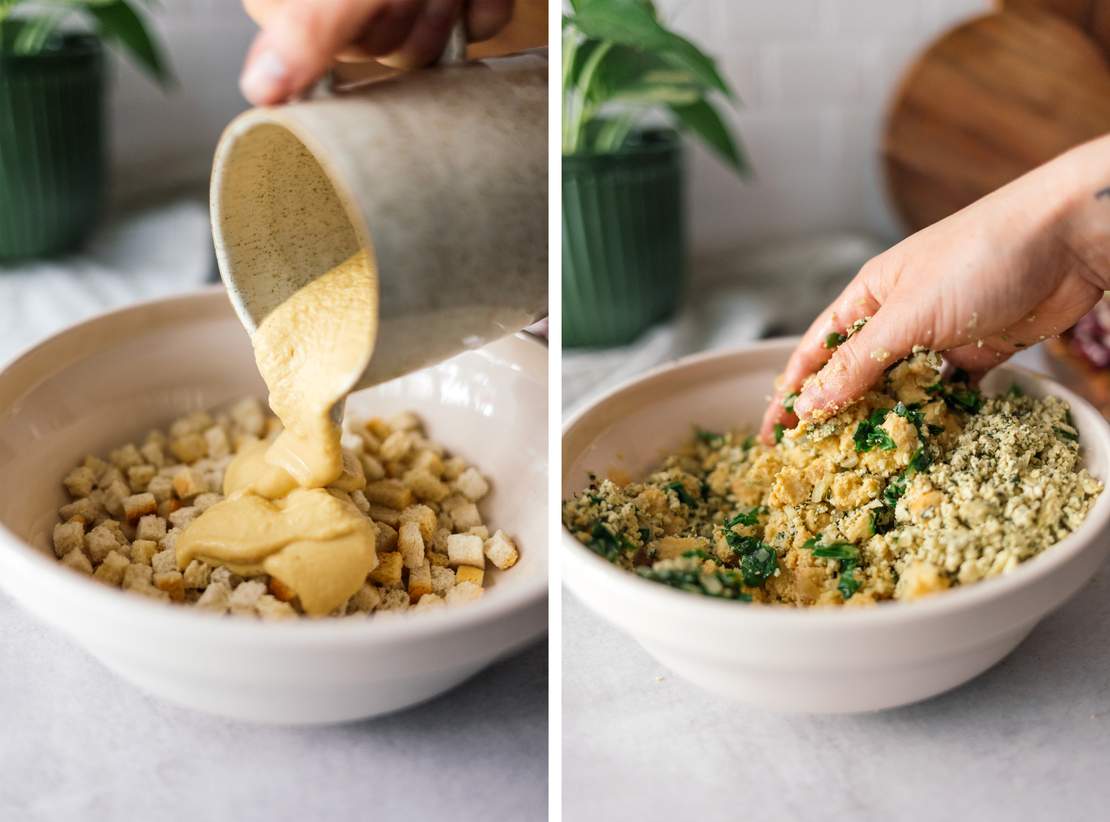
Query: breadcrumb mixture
921	486
127	511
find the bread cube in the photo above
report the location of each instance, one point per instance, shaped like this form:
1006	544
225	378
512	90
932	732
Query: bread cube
164	561
246	596
365	600
428	460
360	501
143	551
353	478
197	575
386	539
396	446
137	576
462	593
372	469
77	560
468	573
205	501
424	517
420	582
443	579
154	454
453	468
125	457
501	550
439	558
249	415
429	602
388	571
188	482
425	485
139	477
269	607
465	549
216	597
472	484
169	541
394	599
151	527
216	442
388	492
139	505
161	487
101	541
80	482
114	495
479	531
384	515
69	536
192	423
182	517
82	510
466	516
411	544
110	571
173	583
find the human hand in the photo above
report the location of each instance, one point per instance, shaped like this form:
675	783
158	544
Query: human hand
301	39
1022	264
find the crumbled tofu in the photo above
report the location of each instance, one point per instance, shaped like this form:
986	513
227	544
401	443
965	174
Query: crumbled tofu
501	550
465	549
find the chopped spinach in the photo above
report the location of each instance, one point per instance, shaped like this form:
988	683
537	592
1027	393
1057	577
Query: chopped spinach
869	435
834	339
848	556
604	542
788	401
1065	434
1015	391
918	462
910	413
724	583
779	429
837	550
680	492
747	517
710	438
848	584
758	566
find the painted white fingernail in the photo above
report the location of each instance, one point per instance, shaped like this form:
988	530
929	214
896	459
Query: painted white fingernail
265	78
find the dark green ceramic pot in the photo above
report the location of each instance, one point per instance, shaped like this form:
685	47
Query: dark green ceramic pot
624	243
51	144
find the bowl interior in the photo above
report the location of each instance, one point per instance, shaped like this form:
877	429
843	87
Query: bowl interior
110	380
633	428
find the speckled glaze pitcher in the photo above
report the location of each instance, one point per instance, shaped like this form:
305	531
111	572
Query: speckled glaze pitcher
441	174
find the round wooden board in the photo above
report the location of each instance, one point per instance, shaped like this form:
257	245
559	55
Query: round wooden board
985	103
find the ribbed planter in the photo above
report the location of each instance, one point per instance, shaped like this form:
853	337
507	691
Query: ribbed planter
51	145
623	240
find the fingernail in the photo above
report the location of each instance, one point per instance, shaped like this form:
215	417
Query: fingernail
264	80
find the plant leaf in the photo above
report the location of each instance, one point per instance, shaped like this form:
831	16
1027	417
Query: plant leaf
702	119
628	75
119	21
632	24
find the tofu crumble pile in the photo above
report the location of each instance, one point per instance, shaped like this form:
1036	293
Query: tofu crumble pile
127	511
921	486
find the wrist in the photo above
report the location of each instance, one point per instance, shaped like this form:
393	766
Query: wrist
1076	191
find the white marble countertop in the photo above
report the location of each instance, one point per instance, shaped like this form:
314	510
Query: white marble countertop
1027	740
78	744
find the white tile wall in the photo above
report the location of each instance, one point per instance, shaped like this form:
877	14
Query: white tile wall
814	77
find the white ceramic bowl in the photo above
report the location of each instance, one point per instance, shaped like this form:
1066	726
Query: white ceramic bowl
813	660
111	379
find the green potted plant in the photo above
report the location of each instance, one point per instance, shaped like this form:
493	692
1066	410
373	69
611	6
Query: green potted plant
623	220
52	141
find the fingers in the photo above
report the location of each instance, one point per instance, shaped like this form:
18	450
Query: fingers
428	36
484	18
298	44
857	364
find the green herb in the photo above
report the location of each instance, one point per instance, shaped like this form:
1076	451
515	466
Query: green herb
788	401
918	462
834	340
594	498
869	435
837	550
812	542
910	413
747	517
936	429
967	399
758	565
1015	391
848	556
748	443
695	553
710	438
725	584
848	584
604	542
894	490
779	429
620	63
681	492
1064	433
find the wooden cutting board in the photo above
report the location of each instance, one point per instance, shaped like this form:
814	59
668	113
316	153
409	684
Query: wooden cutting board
985	103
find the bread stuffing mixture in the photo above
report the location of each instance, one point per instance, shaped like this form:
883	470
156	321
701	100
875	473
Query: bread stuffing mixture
921	486
127	511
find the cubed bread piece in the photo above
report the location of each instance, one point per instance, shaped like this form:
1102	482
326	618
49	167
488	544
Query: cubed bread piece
168	507
425	485
372	468
353	478
424	517
501	550
466	516
360	501
197	574
386	539
80	482
101	541
164	561
225	575
440	540
192	423
111	570
411	544
246	596
77	560
173	583
428	460
205	501
126	456
389	492
182	517
216	442
463	592
420	582
443	579
269	607
161	487
472	485
394	599
169	541
378	427
382	514
388	572
479	531
216	597
439	558
188	482
280	590
151	527
396	446
468	573
96	465
136	576
143	551
69	536
249	415
154	453
465	549
139	477
114	495
81	510
405	421
365	599
139	505
453	468
429	602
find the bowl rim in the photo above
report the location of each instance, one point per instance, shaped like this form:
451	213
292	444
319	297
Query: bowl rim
86	595
882	614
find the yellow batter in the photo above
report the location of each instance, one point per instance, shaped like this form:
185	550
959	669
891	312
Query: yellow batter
278	518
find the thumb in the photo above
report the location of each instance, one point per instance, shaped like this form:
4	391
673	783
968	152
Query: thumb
859	363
